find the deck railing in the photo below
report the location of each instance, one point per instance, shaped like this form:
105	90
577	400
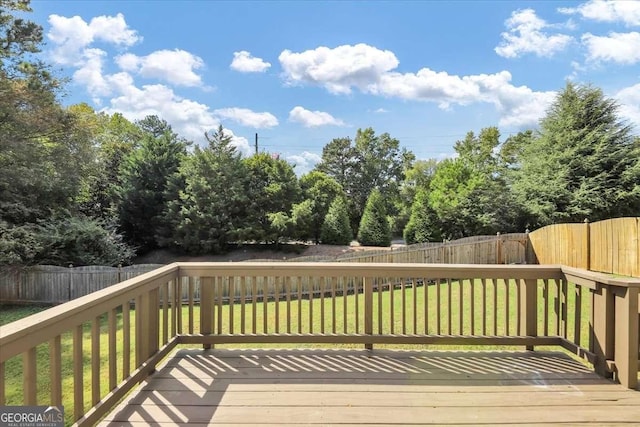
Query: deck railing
88	353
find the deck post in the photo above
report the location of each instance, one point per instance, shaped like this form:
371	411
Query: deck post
368	309
147	315
529	309
626	336
603	329
206	308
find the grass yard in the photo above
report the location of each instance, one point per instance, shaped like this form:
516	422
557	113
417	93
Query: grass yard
454	304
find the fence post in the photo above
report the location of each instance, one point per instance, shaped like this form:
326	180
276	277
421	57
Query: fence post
587	251
70	281
368	309
498	249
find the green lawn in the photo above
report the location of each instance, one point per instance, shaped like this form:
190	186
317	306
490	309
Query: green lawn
310	313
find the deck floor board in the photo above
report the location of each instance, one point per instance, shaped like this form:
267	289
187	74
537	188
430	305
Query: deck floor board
379	387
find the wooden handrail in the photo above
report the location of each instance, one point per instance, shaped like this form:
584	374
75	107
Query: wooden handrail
434	304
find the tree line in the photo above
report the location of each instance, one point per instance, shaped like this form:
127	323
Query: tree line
84	187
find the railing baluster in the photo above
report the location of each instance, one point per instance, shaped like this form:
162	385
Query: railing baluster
254	305
472	306
519	310
191	298
484	306
55	371
578	313
113	366
139	332
345	293
333	305
219	287
30	377
565	298
438	307
265	301
558	306
178	285
78	373
299	282
243	296
287	284
545	297
461	306
95	360
379	282
392	304
495	306
174	307
232	297
126	340
356	293
425	286
322	288
403	292
165	312
276	295
507	309
449	306
310	282
414	287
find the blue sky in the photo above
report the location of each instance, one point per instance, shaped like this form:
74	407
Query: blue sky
302	73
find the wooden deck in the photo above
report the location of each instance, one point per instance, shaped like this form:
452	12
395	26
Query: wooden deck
379	387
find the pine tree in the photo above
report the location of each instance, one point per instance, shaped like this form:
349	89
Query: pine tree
336	229
374	227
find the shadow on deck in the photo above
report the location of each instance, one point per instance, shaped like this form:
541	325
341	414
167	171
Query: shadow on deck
379	387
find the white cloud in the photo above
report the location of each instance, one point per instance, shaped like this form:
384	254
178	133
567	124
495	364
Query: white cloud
189	118
72	35
245	63
370	70
247	117
380	111
72	39
626	11
629	99
623	48
313	118
173	66
525	35
304	162
338	69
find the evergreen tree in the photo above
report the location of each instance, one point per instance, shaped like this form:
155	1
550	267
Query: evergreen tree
211	211
374	227
273	188
422	225
583	164
336	229
143	195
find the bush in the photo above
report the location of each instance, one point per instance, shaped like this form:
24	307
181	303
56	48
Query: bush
19	245
336	229
82	241
374	226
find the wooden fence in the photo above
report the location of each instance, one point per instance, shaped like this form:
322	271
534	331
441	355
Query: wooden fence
609	246
47	284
